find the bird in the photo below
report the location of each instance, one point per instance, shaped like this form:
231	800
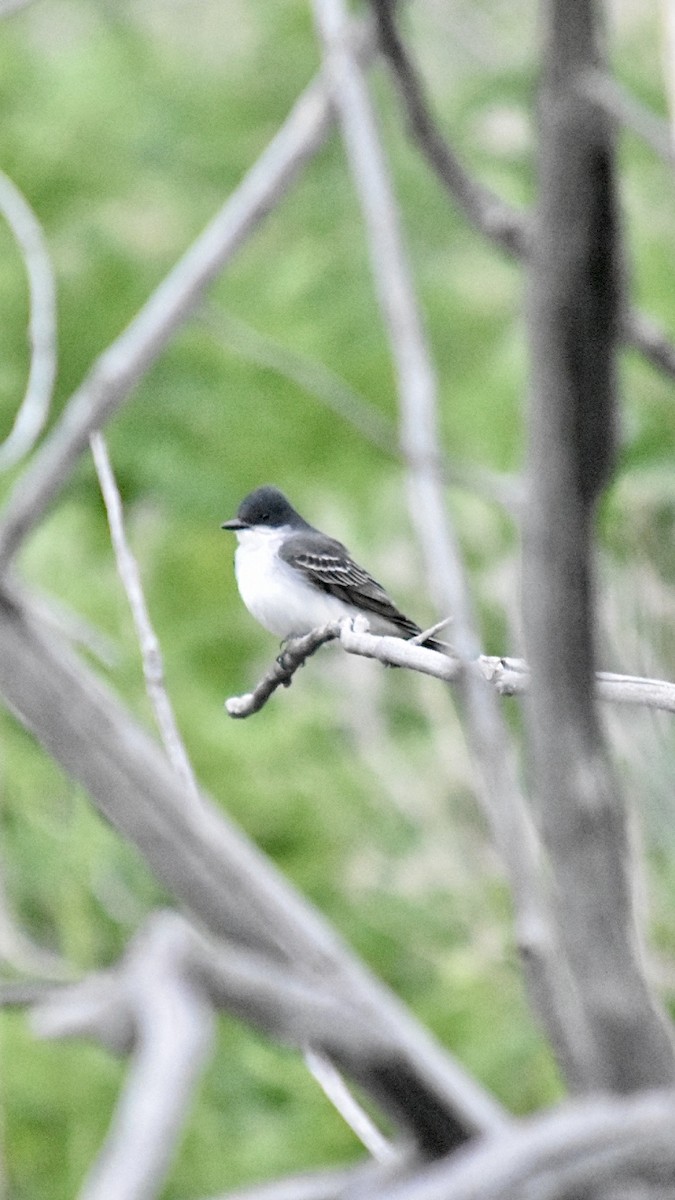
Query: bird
293	578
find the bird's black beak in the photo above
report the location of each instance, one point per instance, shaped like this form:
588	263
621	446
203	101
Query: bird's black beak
234	524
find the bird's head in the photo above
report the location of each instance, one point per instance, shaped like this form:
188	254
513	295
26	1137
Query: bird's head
265	508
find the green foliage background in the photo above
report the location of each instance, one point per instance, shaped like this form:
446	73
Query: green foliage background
126	125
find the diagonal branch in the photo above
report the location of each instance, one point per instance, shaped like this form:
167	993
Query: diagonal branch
482	207
123	364
492	216
151	653
224	881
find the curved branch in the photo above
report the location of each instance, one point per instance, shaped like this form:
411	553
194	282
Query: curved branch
577	1150
34	407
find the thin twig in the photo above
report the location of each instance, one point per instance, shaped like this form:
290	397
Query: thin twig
481	206
355	1116
282	671
320	1067
34	408
151	653
313	377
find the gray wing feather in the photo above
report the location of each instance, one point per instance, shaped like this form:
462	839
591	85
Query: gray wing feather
328	565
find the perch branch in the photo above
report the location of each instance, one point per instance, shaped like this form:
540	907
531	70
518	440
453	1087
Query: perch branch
510	676
34	407
488	213
282	671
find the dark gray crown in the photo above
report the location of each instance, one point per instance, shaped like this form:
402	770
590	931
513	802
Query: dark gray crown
268	506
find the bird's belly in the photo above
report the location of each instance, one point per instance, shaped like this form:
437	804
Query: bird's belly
286	605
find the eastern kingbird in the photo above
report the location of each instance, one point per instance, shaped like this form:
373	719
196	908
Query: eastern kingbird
293	578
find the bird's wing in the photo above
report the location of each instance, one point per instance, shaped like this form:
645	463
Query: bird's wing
328	565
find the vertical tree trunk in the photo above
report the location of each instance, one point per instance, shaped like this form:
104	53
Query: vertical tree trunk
575	302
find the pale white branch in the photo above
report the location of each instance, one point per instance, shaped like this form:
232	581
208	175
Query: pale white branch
224	881
496	779
172	1032
151	653
126	360
579	1149
311	1185
34	407
335	1089
510	676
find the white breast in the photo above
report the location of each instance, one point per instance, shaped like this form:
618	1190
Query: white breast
276	594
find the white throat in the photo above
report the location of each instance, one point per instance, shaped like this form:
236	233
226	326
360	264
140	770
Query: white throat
276	594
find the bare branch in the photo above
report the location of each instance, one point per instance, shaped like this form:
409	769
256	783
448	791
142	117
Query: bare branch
126	360
574	308
576	1150
512	826
223	880
151	653
312	1185
335	1089
510	676
281	673
34	408
482	207
627	111
487	212
151	1002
